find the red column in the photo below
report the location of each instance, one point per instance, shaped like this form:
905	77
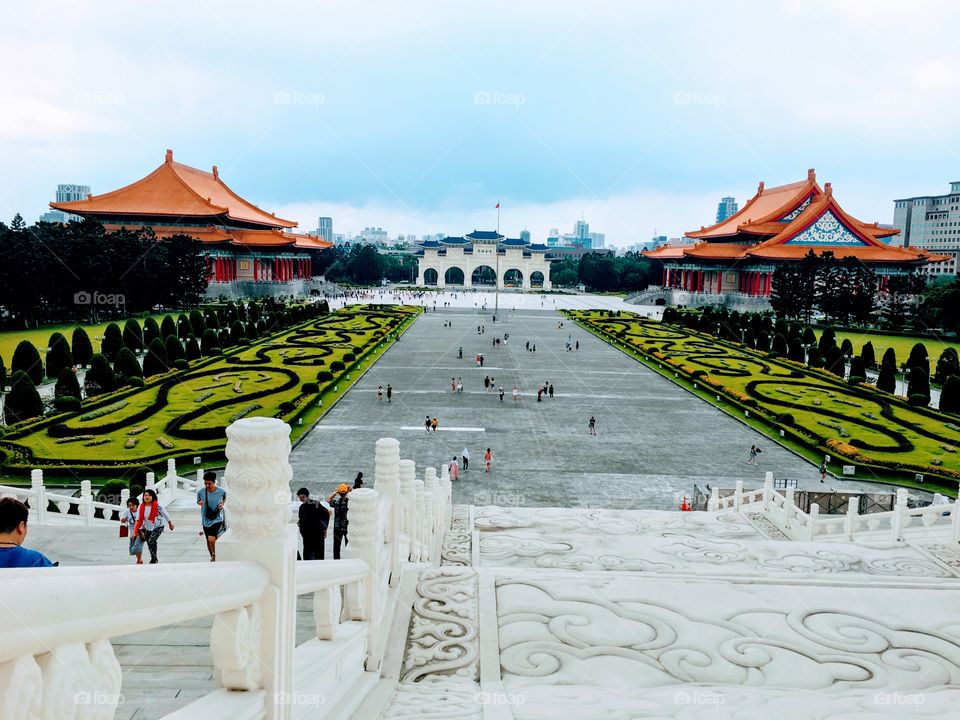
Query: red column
756	283
701	281
719	281
769	283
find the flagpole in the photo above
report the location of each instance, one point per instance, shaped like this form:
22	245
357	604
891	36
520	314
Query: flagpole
496	285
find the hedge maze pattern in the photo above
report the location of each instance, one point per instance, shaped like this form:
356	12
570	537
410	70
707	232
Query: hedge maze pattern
820	410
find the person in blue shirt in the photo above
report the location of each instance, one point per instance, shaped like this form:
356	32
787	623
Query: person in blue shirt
211	500
13	531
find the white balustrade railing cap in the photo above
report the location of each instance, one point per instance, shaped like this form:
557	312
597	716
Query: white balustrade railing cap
320	574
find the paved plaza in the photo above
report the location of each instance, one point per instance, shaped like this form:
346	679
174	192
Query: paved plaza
654	439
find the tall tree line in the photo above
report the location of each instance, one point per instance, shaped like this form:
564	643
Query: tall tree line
78	271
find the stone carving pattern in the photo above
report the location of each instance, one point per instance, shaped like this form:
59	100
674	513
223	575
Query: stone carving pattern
568	637
235	645
435	699
457	543
795	213
78	680
21	689
765	526
443	638
949	555
826	230
258	474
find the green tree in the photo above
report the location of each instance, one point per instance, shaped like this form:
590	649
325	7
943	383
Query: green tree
815	357
132	336
167	327
125	366
809	336
918	383
174	350
197	323
887	380
918	357
868	356
898	303
828	339
23	401
112	341
155	361
890	358
67	384
950	395
780	345
833	361
792	293
858	371
184	328
192	348
947	364
846	347
938	311
100	378
209	343
27	359
796	352
58	355
151	331
82	347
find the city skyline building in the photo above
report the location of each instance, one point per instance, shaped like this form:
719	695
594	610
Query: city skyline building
726	208
66	193
931	222
325	228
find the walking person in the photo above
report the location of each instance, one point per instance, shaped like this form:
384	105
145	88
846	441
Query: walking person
592	425
501	393
312	519
339	503
460	353
823	471
389	393
453	385
551	391
465	458
426	424
211	500
515	393
459	385
487	460
127	521
486	382
13	531
454	469
379	393
754	451
149	526
577	345
358	481
433	424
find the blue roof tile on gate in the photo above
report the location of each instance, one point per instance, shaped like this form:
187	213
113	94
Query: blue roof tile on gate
429	244
538	246
514	242
454	241
484	235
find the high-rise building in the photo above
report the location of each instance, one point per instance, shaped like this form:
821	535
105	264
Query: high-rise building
581	230
553	239
525	235
727	207
66	193
325	228
597	240
931	222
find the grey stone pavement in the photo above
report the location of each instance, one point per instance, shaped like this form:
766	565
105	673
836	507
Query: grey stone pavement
655	440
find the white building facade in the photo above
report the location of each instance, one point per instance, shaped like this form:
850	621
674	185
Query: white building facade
484	259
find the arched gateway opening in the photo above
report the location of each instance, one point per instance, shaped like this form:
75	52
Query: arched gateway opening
536	279
484	275
513	278
430	276
453	276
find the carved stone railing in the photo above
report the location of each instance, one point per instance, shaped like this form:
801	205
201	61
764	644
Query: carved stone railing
934	520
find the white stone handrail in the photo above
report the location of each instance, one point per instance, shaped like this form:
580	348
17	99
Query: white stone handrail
779	508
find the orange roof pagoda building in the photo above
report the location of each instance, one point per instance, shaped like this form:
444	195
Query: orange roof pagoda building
249	251
732	262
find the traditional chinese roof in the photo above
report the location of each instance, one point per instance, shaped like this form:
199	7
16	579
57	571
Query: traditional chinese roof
176	190
484	235
454	241
514	242
217	234
538	247
786	223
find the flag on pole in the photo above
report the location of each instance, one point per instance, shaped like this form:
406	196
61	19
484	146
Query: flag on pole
498	206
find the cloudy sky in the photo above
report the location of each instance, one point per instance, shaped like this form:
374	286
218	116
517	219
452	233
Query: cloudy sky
419	116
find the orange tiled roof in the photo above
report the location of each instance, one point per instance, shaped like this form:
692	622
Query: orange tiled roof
666	252
175	190
768	205
213	234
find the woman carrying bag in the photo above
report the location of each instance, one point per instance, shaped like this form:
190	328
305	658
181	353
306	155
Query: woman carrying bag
149	525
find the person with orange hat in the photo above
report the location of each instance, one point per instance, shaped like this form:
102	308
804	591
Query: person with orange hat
338	502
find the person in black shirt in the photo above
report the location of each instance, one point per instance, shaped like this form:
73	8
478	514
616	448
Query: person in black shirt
338	501
313	519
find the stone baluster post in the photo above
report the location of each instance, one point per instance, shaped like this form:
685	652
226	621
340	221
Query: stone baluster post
713	504
124	497
86	502
171	468
253	647
407	473
812	521
788	507
767	490
39	496
955	521
446	491
850	522
366	541
387	484
431	501
738	495
900	515
419	505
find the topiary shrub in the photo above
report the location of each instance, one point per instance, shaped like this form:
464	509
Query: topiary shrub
887	379
287	407
155	361
26	359
135	381
197	323
168	327
23	401
181	364
173	349
132	336
786	419
67	384
324	376
950	395
82	348
184	329
66	403
111	343
151	331
310	388
209	343
192	348
336	366
918	381
110	491
125	366
100	378
919	400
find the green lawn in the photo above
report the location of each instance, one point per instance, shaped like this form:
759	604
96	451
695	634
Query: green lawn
9	339
815	409
901	345
183	414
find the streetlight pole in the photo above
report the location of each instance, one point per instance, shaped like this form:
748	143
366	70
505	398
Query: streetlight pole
496	282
